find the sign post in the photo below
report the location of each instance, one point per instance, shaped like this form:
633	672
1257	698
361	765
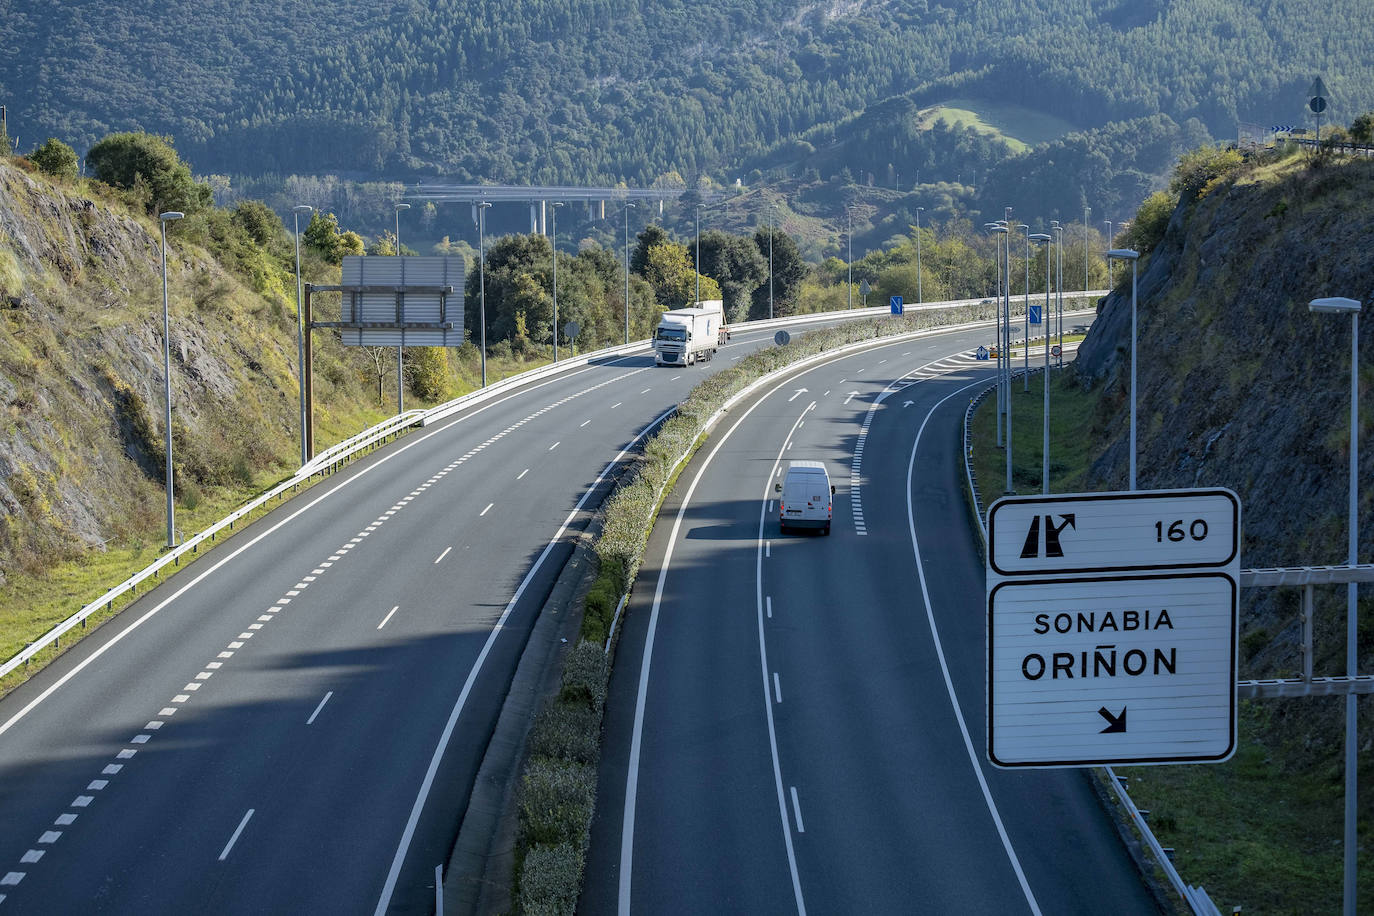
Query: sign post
1112	624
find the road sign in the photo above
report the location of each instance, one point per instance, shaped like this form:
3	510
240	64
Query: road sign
781	338
571	329
1034	314
980	353
864	288
1146	531
1112	670
1056	350
1112	622
896	304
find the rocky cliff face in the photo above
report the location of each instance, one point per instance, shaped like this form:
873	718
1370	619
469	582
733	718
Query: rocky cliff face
81	451
1241	386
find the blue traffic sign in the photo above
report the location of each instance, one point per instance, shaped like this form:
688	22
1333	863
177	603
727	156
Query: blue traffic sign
896	303
1035	314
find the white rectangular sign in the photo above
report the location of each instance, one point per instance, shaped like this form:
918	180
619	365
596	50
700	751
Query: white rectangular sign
1112	670
1094	532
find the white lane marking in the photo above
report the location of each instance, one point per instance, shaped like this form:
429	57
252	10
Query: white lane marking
777	688
140	739
646	391
235	838
389	888
523	473
111	769
442	555
153	726
50	836
768	547
944	666
65	820
827	392
616	404
769	599
311	720
675	378
852	396
627	828
796	807
486	510
907	353
97	784
584	423
11	878
82	801
167	711
388	616
32	856
555	445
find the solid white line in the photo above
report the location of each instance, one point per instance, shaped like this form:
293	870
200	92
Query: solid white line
777	688
388	616
234	839
389	888
311	720
944	666
486	510
796	806
522	473
442	555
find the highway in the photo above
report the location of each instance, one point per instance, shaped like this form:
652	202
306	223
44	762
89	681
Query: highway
293	723
796	722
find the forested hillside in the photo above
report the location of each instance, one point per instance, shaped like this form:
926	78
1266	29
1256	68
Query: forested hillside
575	91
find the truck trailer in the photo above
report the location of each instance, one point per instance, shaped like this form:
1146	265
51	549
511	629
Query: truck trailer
685	336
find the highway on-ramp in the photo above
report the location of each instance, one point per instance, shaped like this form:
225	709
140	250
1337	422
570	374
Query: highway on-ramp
294	722
796	722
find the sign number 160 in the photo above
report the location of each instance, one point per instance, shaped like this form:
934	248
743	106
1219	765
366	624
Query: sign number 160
1197	530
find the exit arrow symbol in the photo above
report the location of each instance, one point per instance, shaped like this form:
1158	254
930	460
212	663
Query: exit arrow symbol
800	392
1115	723
852	396
908	403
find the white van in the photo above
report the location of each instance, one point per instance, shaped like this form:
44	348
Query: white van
806	497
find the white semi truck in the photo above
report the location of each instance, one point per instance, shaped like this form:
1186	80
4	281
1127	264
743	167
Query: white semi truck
685	336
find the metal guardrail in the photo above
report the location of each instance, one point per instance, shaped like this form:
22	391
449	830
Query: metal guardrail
330	457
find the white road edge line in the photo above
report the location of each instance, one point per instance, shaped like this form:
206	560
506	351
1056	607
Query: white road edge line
627	829
384	901
944	666
387	618
311	720
235	838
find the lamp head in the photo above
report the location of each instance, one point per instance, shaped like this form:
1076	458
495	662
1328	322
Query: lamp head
402	206
1124	254
170	215
1337	304
302	209
1040	237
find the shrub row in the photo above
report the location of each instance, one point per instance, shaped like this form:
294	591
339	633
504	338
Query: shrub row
558	790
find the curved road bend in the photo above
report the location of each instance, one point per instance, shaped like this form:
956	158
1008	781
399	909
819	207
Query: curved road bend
293	723
796	745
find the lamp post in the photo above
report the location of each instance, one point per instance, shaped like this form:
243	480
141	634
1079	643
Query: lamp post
1111	274
1004	352
628	207
1351	307
849	262
400	388
1086	211
1025	371
770	261
296	213
556	205
697	265
1045	443
1059	287
482	281
164	219
919	298
997	229
1126	254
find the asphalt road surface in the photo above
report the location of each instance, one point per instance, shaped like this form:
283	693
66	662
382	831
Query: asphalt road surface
293	723
797	722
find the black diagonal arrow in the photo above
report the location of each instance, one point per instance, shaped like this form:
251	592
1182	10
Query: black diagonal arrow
1115	723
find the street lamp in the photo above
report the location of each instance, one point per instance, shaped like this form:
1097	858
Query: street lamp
1111	274
849	263
1126	254
697	265
1350	307
1086	211
1058	231
628	207
770	262
1045	443
296	213
400	389
919	299
482	280
164	219
556	205
1001	229
1001	350
1025	371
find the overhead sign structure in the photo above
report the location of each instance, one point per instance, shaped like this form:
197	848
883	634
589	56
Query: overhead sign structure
895	302
1112	624
401	301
